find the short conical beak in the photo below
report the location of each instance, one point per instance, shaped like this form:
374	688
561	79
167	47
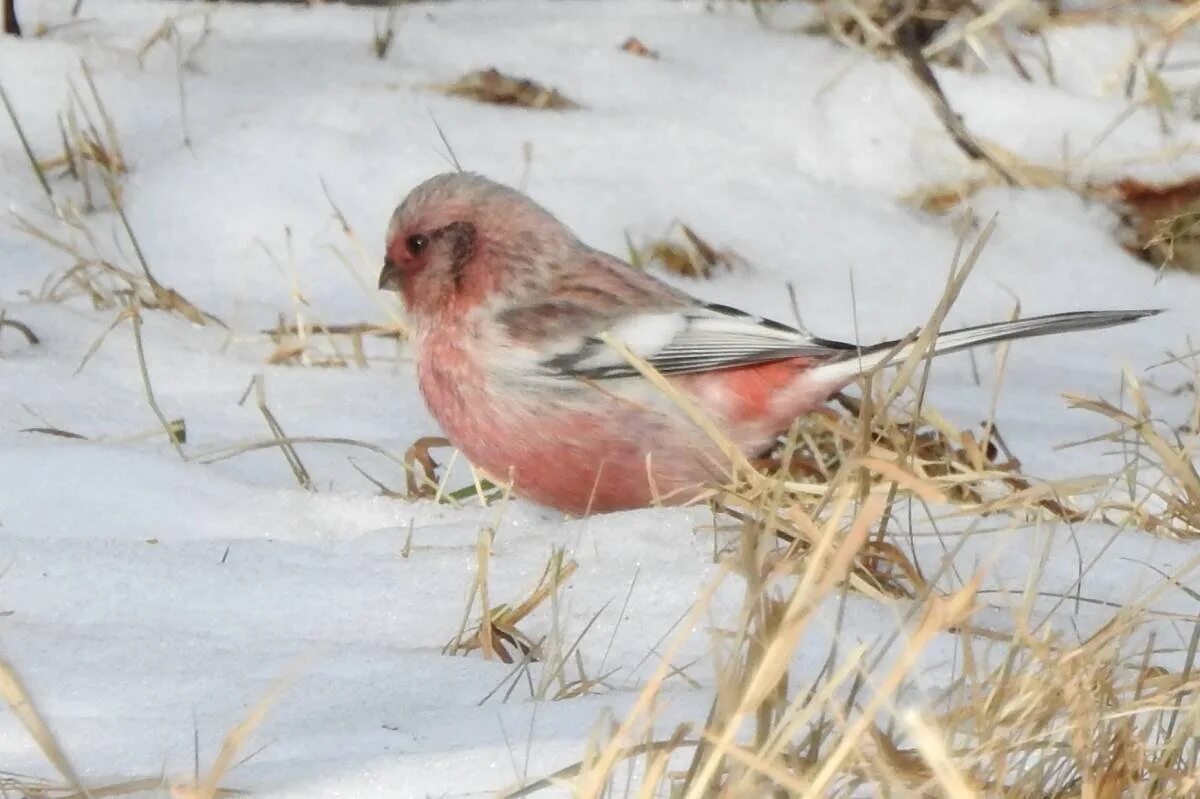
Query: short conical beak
389	276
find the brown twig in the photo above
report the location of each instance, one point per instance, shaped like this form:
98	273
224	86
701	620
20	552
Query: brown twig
918	67
11	26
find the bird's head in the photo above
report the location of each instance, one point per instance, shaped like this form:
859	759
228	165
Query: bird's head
459	240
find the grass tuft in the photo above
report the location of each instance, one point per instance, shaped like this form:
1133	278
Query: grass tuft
1027	711
1165	498
497	88
683	252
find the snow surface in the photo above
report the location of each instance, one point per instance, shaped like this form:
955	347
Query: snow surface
147	599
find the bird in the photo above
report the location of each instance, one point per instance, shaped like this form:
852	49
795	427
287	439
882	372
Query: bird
514	322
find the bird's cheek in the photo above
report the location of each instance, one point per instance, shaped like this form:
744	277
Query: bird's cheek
423	290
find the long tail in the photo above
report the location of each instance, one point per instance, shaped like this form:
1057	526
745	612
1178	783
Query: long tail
889	352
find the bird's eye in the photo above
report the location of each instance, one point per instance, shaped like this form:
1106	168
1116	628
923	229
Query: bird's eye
416	243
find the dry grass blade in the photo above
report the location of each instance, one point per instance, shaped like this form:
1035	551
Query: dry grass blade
33	161
235	740
1177	513
117	157
105	283
382	41
25	330
683	252
176	431
421	473
936	752
87	145
224	453
54	431
595	774
29	788
959	272
258	386
450	155
495	87
563	775
732	454
21	705
367	265
942	614
921	453
830	565
498	628
295	343
165	298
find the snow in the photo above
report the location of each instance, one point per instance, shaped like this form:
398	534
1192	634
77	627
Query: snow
149	599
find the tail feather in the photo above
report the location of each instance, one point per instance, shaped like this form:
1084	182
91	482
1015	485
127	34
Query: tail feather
890	352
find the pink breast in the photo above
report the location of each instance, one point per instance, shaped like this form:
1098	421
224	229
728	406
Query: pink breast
595	451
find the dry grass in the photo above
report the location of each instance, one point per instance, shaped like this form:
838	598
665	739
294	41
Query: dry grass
381	42
1158	223
1028	711
874	25
1165	485
497	634
1025	714
497	88
92	154
305	339
16	696
106	282
682	251
91	149
327	346
974	35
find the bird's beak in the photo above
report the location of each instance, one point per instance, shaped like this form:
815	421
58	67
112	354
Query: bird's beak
389	276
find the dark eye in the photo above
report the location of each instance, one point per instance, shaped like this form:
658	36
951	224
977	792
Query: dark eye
416	243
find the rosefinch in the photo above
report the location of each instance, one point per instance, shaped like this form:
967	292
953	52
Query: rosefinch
509	306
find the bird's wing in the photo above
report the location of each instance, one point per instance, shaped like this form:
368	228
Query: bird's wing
675	340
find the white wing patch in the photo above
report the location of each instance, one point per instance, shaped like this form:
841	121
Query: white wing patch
695	339
646	335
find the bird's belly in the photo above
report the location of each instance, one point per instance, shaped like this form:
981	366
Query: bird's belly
574	450
571	458
606	446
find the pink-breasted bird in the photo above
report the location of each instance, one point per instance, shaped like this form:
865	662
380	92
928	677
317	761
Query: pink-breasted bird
509	308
